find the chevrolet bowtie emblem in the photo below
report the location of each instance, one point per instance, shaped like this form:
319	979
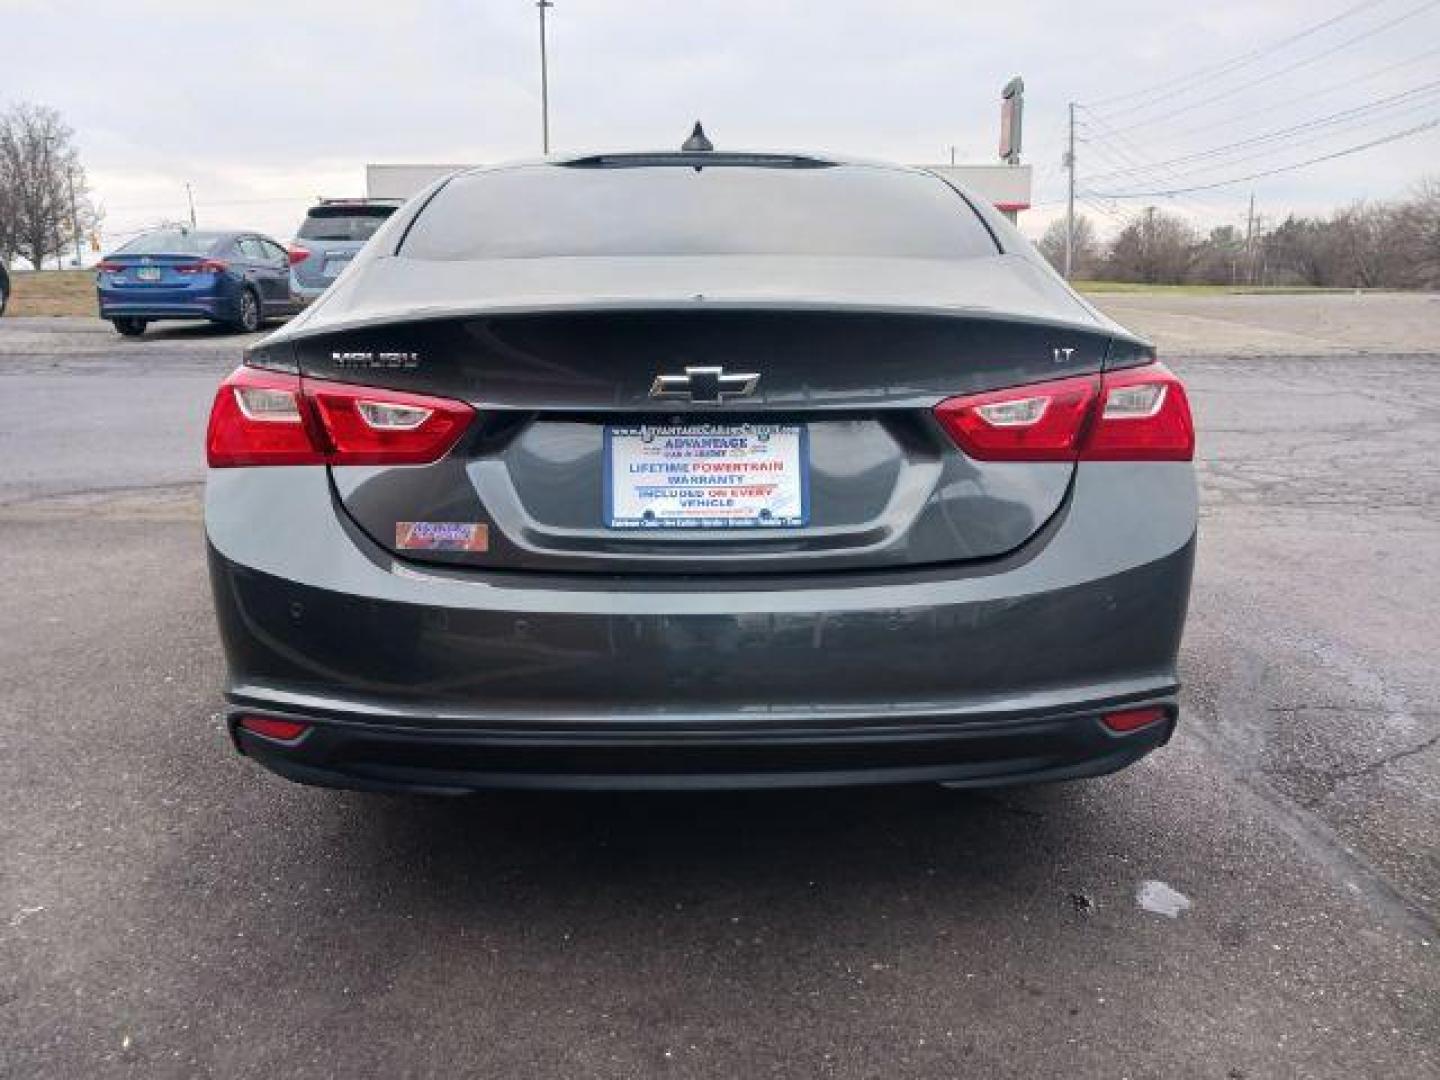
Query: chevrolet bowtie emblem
704	385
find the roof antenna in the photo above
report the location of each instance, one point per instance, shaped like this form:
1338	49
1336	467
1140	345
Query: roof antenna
697	142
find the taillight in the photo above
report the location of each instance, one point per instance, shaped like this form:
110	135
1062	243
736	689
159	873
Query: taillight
383	427
1128	720
261	418
105	266
298	254
204	266
272	727
271	418
1138	414
1043	422
1143	416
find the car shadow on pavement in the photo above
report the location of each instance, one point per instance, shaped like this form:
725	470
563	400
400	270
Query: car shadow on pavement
201	330
659	850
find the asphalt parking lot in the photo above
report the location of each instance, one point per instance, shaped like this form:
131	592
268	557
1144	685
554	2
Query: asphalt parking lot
168	910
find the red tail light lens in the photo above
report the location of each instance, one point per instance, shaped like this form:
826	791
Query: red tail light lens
1139	414
272	727
1029	423
204	266
383	427
298	254
1144	415
1132	719
260	418
105	266
270	418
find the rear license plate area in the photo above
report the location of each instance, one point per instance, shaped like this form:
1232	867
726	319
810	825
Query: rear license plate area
147	273
707	476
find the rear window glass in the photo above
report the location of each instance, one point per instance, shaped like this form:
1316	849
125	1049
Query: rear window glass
344	222
543	210
171	242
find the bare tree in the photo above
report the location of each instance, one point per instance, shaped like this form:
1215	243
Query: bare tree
44	200
1386	245
1301	251
1217	258
1087	253
1364	240
1417	236
1155	248
7	224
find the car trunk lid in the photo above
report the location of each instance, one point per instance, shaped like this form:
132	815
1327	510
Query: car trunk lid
563	375
150	271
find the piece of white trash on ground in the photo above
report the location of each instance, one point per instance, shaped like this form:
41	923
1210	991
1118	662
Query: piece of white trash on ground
24	913
1160	898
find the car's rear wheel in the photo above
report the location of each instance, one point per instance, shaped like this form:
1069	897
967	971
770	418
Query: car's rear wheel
129	327
248	320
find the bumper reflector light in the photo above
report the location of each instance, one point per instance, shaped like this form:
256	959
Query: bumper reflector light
1132	719
272	727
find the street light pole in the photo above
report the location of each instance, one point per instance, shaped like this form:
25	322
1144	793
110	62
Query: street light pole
74	211
190	194
544	81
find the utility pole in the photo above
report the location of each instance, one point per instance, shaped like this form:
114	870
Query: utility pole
1070	198
544	81
1249	242
74	211
190	194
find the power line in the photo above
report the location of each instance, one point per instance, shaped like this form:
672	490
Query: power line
1237	62
1343	117
1273	172
1275	74
1181	177
1308	96
1392	113
1116	144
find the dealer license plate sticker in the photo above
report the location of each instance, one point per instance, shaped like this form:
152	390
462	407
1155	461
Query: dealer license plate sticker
707	476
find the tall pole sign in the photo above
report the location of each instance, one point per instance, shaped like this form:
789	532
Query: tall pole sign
544	81
1012	116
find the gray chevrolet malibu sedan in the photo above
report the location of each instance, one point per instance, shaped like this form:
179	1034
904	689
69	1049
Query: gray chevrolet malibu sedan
699	470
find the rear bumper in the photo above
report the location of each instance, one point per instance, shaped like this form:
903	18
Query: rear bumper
444	680
971	752
216	307
306	293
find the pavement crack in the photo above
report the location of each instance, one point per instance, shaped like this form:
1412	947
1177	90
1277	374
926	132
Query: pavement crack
1341	775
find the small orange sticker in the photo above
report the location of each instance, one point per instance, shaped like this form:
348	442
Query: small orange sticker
442	536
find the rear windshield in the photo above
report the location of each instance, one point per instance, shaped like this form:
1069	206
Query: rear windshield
543	210
171	242
344	222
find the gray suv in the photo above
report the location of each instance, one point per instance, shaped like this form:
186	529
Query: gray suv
332	232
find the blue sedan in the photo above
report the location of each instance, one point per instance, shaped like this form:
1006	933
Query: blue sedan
239	279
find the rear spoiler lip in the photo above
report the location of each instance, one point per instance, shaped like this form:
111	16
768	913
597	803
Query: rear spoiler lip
192	256
361	320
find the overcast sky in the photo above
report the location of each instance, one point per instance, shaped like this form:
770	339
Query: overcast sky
263	106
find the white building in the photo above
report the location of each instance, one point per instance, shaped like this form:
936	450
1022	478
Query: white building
1007	186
